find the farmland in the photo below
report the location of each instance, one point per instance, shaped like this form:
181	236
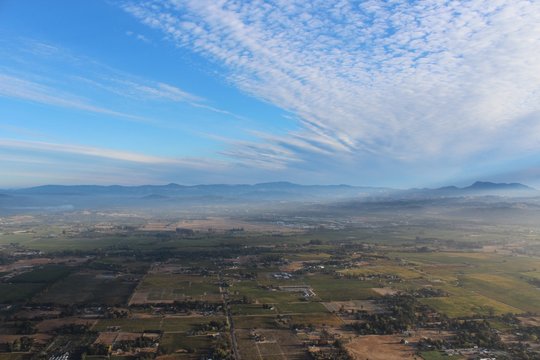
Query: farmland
428	291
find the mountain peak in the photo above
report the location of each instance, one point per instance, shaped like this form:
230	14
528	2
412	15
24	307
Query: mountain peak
487	185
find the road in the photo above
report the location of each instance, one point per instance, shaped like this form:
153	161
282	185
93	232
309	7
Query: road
225	297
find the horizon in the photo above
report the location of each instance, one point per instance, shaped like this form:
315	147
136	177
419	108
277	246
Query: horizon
460	187
363	93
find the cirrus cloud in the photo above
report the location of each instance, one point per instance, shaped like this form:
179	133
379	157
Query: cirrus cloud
400	80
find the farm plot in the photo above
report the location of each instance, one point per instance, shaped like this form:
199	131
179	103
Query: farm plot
472	305
185	346
89	287
369	306
179	324
328	288
403	272
10	293
379	347
256	293
167	288
505	289
270	344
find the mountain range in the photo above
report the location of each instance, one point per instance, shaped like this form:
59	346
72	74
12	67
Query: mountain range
96	196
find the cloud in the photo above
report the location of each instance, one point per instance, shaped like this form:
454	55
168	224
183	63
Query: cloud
400	80
140	37
18	88
136	88
105	153
63	75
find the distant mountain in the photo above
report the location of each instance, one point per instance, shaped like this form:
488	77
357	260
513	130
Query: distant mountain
98	196
479	188
486	185
175	189
175	195
448	188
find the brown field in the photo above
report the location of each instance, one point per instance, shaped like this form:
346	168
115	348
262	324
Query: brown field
530	320
128	336
292	266
24	263
106	338
9	338
38	338
384	291
380	347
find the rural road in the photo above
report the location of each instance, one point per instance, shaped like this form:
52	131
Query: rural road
225	296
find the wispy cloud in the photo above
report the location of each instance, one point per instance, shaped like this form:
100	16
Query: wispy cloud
105	153
15	87
78	73
398	80
137	36
136	88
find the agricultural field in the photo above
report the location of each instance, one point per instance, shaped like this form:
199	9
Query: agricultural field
384	291
89	287
161	288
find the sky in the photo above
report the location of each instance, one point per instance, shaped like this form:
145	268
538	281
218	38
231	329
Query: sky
398	93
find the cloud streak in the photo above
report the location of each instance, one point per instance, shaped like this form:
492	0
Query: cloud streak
400	80
80	74
106	153
18	88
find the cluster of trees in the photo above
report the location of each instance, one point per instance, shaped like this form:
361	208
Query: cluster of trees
73	329
479	333
403	313
336	351
212	326
528	333
98	349
182	306
23	344
24	328
429	292
221	349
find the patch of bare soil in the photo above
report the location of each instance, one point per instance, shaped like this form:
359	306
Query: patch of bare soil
380	347
384	291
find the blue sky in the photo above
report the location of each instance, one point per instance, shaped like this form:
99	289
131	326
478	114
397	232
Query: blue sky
383	93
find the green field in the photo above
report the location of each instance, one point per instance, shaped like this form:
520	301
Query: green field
192	345
328	288
505	289
44	274
301	307
10	293
180	287
256	293
466	306
88	287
